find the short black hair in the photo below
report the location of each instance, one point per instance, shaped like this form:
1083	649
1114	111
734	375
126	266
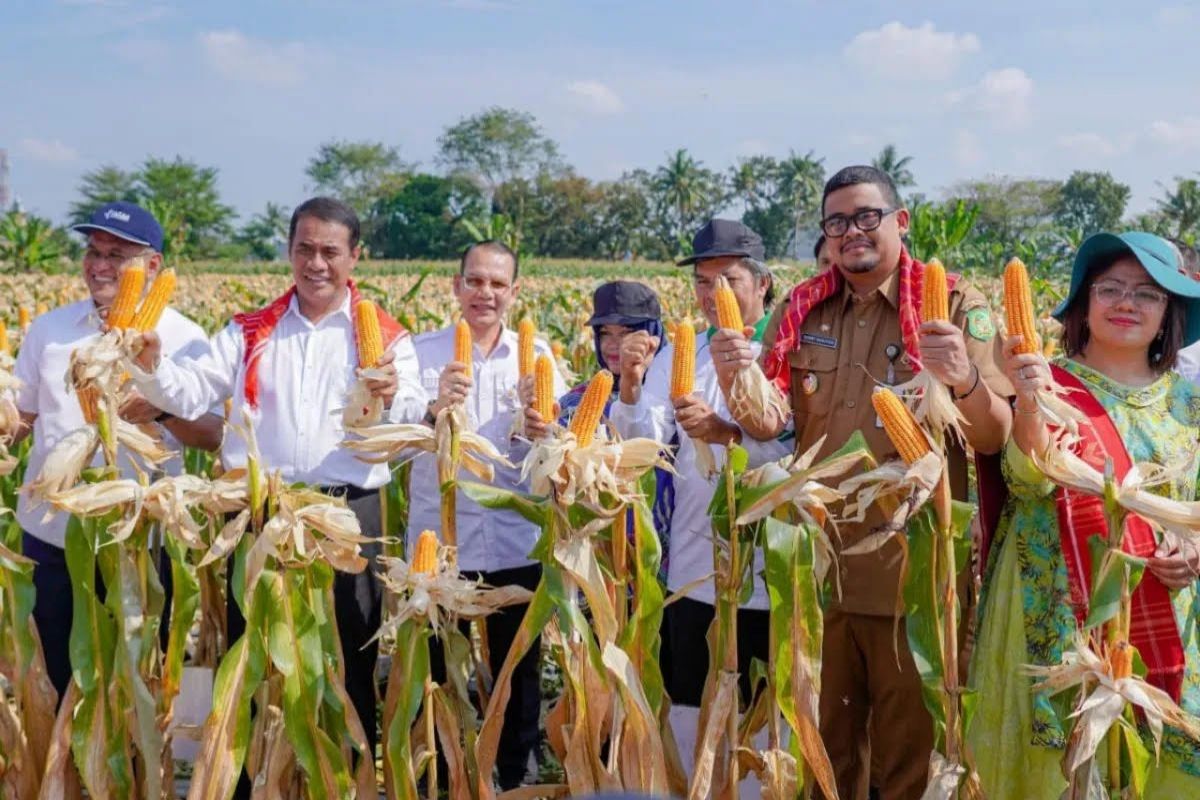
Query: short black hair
817	247
858	174
496	246
326	209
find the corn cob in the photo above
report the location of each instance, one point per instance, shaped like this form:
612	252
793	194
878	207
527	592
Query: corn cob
367	334
591	407
89	403
42	308
557	349
729	315
147	317
23	318
901	426
543	387
5	345
525	347
935	299
1018	307
683	364
424	559
462	344
129	292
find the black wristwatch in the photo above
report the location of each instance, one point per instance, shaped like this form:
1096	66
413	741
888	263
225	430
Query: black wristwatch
429	418
163	417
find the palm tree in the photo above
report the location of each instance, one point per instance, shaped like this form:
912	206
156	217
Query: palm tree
685	191
1182	206
890	161
801	179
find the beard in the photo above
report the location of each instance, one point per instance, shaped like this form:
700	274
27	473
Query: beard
862	265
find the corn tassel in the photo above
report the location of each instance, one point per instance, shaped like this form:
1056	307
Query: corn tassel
729	315
525	354
462	345
935	297
129	293
157	299
683	364
901	426
23	318
367	333
424	559
543	387
1018	307
591	407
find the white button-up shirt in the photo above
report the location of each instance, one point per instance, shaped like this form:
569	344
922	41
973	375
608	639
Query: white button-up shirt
304	376
653	416
41	366
487	540
1187	363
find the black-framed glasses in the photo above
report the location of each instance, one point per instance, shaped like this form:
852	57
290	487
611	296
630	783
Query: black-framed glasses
868	219
1144	297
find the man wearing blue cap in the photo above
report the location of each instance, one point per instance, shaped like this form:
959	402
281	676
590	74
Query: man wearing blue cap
116	234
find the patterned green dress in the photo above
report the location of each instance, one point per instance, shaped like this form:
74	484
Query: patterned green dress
1025	614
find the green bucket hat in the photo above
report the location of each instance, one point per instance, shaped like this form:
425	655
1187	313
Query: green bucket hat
1156	254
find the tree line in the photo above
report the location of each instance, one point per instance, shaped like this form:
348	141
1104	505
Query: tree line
498	175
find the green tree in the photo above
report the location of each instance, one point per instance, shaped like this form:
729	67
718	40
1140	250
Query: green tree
1091	202
1180	207
939	230
28	242
425	218
265	234
185	198
686	194
624	219
1010	208
106	184
358	173
890	161
562	216
780	197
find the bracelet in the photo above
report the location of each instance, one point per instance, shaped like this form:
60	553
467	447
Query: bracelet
162	417
957	397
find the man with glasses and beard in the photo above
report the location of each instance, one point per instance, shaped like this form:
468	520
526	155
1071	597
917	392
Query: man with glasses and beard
828	343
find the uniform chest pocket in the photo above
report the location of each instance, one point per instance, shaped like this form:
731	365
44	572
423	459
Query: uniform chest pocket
814	374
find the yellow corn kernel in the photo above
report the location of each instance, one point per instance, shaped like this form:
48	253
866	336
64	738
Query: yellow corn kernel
367	334
683	363
23	318
129	293
1120	660
729	315
525	332
591	407
1018	307
557	349
901	426
424	559
42	308
5	345
89	403
543	387
157	299
935	297
462	344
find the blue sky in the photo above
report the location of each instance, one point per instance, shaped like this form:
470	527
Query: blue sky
252	87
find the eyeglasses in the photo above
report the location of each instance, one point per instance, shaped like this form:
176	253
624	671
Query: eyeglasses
1144	297
115	258
868	219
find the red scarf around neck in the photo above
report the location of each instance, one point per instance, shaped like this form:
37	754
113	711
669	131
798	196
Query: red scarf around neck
1153	629
811	293
257	327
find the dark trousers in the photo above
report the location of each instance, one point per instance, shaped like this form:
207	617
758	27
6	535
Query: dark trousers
687	622
53	605
357	607
519	735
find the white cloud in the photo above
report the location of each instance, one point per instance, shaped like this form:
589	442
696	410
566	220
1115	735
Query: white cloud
1184	134
239	58
1002	96
965	149
899	52
1088	144
594	96
49	151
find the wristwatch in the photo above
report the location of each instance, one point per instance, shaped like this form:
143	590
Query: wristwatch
429	418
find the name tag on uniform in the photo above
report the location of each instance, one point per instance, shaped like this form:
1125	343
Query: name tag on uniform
819	341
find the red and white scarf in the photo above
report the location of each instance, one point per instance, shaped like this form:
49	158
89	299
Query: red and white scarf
257	327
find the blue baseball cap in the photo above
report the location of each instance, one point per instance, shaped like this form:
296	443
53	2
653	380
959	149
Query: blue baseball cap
127	221
1159	257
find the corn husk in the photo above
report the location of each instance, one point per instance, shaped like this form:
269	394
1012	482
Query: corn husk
362	408
556	464
754	398
65	463
401	442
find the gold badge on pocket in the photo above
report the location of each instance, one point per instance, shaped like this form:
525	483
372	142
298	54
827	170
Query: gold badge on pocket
809	383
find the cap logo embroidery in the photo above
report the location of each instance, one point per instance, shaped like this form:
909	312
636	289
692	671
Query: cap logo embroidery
113	213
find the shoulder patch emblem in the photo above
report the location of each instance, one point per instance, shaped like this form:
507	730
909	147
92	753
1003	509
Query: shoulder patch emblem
980	325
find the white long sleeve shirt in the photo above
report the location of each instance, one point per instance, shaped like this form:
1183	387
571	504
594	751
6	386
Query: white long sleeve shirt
487	540
653	416
1187	363
304	376
41	366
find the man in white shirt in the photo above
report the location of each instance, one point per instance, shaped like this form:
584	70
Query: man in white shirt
492	545
289	368
116	234
728	248
1187	361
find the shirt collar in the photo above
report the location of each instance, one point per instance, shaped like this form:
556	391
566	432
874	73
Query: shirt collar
294	309
760	329
889	290
87	314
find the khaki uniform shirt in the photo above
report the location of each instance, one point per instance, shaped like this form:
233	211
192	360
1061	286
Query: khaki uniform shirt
845	347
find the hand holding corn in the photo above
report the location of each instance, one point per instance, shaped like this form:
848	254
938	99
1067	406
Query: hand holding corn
701	423
385	387
453	386
943	348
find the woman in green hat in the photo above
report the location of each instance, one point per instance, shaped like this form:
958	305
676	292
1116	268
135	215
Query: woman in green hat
1128	313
